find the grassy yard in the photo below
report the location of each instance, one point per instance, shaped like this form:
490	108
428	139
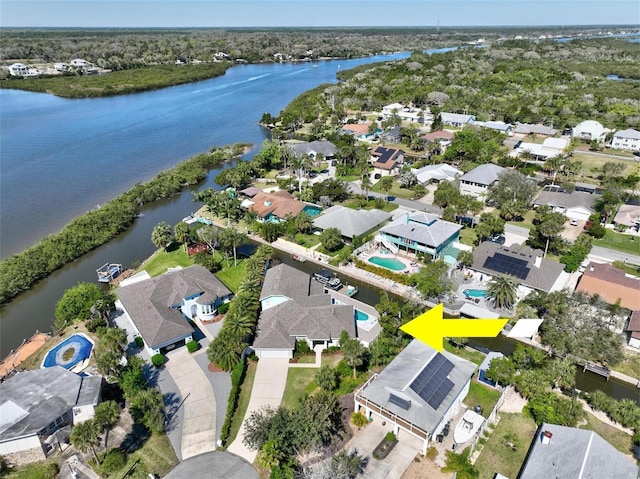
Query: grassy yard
527	221
496	456
37	470
162	259
371	204
300	381
614	436
396	190
591	166
470	354
630	365
620	242
482	395
628	267
156	456
232	277
468	236
243	401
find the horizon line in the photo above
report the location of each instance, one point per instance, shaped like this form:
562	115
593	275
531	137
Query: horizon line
616	25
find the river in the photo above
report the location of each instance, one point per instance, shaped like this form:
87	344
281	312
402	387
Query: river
63	157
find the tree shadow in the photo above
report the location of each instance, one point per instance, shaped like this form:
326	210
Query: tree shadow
135	439
172	404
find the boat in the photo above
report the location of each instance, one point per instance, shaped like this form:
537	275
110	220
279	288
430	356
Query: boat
467	427
350	290
299	258
109	271
328	279
190	219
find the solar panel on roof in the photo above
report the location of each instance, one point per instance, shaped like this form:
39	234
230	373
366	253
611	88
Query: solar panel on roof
432	384
508	265
398	401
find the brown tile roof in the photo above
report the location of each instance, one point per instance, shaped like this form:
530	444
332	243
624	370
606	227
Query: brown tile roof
279	204
438	135
609	284
357	128
634	322
387	158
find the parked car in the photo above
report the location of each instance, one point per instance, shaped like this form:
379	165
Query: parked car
499	239
574	222
377	176
391	198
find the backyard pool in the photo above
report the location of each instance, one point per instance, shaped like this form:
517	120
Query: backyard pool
475	293
312	211
361	316
389	263
69	352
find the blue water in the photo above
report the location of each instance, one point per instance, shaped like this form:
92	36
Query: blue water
81	347
476	293
389	263
361	316
311	210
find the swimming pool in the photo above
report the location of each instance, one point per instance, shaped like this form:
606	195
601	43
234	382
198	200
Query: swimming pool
475	293
361	316
389	263
68	353
312	211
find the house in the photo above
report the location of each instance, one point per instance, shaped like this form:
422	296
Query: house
408	114
590	130
443	138
386	161
526	264
350	222
456	119
160	308
500	126
611	284
477	182
35	404
628	216
549	148
361	130
574	205
482	370
313	149
388	111
417	393
392	135
420	232
560	451
626	140
274	207
585	187
294	307
633	328
18	70
529	129
436	173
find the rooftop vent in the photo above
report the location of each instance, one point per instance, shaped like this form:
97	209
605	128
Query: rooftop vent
546	437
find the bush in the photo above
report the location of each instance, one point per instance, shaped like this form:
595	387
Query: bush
359	420
193	346
390	436
432	453
223	308
113	461
207	260
301	348
94	324
158	360
237	378
139	341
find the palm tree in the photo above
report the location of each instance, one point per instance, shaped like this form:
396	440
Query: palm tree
503	290
553	165
353	351
106	416
365	185
181	233
85	436
161	235
465	258
386	183
564	373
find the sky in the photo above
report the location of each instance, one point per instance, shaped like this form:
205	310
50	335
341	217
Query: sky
315	13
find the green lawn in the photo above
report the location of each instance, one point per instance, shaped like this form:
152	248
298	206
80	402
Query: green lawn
243	401
482	395
371	204
619	242
300	381
622	441
468	236
527	221
156	456
396	190
37	470
496	456
162	259
470	354
628	267
630	365
232	277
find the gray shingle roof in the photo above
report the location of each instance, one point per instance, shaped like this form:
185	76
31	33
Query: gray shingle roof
629	133
327	148
535	129
350	222
456	117
484	174
575	453
31	400
400	373
542	278
566	199
425	228
308	312
151	303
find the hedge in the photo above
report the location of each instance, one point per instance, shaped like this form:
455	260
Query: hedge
192	346
237	378
158	360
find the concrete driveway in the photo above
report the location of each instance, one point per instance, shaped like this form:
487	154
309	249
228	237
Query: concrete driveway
268	389
214	465
394	465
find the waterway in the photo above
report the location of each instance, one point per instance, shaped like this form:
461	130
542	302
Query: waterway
63	157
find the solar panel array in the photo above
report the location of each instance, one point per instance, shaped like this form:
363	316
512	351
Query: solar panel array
508	265
398	401
432	383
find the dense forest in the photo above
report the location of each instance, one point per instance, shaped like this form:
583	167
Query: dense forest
544	81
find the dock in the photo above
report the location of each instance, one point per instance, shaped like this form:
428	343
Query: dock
24	351
597	369
108	271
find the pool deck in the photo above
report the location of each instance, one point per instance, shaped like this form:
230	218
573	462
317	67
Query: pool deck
24	351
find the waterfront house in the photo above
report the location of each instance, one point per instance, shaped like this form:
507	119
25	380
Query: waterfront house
417	393
350	222
274	207
560	451
524	263
633	330
386	161
159	309
420	232
436	173
294	307
611	285
477	182
35	404
626	140
590	130
575	205
313	149
457	120
18	70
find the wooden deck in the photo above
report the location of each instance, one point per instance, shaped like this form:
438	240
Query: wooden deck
26	349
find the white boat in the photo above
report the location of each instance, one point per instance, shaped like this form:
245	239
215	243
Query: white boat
327	279
467	427
190	219
109	271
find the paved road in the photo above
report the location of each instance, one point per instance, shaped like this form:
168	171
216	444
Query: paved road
214	465
354	187
611	255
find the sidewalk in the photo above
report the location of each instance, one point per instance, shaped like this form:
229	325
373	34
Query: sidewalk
268	389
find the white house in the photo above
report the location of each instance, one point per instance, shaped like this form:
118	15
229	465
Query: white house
477	182
456	119
626	140
417	393
575	205
18	70
436	173
500	126
406	113
590	130
549	148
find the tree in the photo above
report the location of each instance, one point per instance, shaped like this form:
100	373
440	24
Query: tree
106	416
502	371
210	235
147	408
85	436
465	258
110	351
300	165
327	378
489	225
354	352
408	180
431	280
77	303
181	233
270	455
554	165
161	235
461	465
302	222
331	239
548	224
503	290
365	185
386	184
512	189
231	238
564	373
